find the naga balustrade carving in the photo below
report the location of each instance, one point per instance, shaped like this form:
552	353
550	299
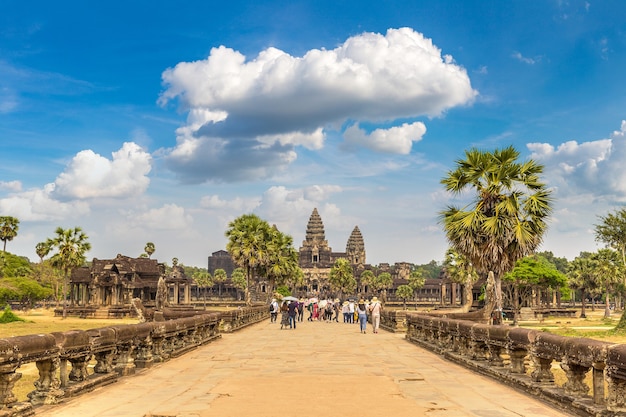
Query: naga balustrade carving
63	358
526	358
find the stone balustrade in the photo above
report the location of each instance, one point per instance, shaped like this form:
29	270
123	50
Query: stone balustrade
527	358
63	358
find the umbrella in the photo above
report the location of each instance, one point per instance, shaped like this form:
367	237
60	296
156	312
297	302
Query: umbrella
322	303
312	300
290	298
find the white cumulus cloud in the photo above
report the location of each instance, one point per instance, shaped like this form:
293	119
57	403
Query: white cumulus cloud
258	111
398	139
167	217
11	185
593	168
90	175
40	205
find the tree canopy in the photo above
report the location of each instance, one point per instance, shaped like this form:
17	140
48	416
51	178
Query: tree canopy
8	229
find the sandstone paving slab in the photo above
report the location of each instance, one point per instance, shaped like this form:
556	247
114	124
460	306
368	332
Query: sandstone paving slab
317	368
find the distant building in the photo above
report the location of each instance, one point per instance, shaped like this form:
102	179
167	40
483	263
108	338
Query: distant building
221	260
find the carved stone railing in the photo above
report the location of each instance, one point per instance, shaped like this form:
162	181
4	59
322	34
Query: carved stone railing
234	320
62	358
525	358
393	320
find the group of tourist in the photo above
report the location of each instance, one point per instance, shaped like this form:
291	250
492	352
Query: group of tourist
292	311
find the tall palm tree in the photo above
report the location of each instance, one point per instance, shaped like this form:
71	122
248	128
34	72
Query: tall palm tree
282	267
341	277
219	276
8	229
149	249
248	237
506	219
367	279
460	270
71	246
42	249
580	274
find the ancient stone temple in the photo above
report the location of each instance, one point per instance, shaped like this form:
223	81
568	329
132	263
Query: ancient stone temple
316	258
113	283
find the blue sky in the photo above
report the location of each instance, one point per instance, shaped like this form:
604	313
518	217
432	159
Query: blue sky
160	121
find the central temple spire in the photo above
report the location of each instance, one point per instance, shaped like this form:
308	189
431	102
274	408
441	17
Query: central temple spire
315	235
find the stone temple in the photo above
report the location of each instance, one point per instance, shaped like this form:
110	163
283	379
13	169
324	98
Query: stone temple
316	258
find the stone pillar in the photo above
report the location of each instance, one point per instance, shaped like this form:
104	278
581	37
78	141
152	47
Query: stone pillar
176	295
598	382
187	293
575	384
8	378
47	387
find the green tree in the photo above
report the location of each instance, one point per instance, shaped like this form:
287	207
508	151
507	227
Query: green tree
341	277
383	282
607	270
14	266
71	245
580	274
612	232
282	264
27	291
203	280
42	249
507	219
460	270
149	249
8	229
248	239
240	281
529	273
404	292
367	279
219	276
416	281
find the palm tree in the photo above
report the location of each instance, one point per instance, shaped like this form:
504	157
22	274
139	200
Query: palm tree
42	249
405	292
248	238
282	265
461	271
416	281
240	281
607	269
367	279
507	218
383	282
149	249
8	229
219	276
204	281
580	273
71	246
341	278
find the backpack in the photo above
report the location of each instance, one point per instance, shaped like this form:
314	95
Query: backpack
271	308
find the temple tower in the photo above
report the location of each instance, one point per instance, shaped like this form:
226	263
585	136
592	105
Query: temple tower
355	248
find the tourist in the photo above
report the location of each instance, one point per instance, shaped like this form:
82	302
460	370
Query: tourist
336	310
328	311
301	309
293	313
316	311
361	310
345	310
350	311
375	308
284	314
273	310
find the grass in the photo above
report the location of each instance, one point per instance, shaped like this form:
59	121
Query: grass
44	321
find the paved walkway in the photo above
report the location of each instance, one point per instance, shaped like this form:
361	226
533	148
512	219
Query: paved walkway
318	369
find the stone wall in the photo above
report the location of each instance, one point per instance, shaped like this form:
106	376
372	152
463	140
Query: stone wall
62	358
524	359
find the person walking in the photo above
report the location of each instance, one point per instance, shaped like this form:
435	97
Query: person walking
293	314
273	311
375	309
284	314
350	311
361	310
